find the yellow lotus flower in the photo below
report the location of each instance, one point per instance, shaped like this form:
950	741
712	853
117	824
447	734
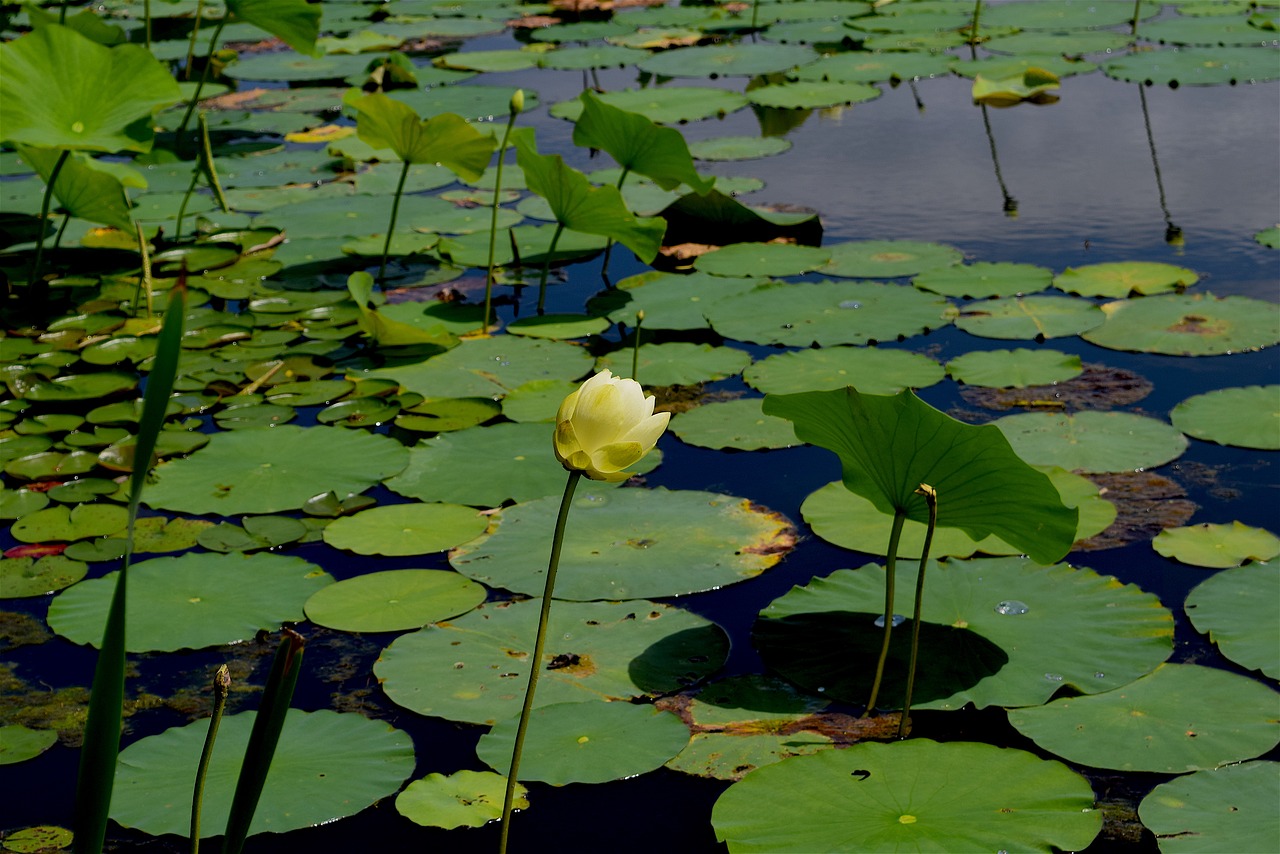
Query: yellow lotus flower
606	425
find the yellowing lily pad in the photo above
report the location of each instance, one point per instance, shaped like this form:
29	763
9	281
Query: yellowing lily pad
31	576
461	799
1125	278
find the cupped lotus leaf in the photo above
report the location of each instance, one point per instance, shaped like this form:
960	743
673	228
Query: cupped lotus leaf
1178	718
1196	66
488	60
1034	317
916	795
393	600
67	524
762	259
446	139
665	105
36	576
1035	85
888	259
875	370
1121	279
827	313
192	601
1246	417
1217	546
722	148
678	363
558	326
461	799
739	59
985	279
1225	809
994	625
1236	609
638	144
1014	368
889	446
387	331
269	470
586	742
92	98
668	300
811	95
19	743
294	22
623	544
737	424
405	529
475	668
1092	441
581	207
326	766
83	190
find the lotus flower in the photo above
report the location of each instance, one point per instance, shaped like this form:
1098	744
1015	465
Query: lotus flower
606	425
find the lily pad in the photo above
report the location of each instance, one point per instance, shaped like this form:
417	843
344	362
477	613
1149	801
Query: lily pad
326	766
1225	809
725	148
1236	608
1092	441
665	104
888	259
1031	318
874	370
866	67
393	600
405	529
446	414
1125	278
623	543
461	799
914	795
1180	717
19	743
1188	325
1217	546
727	60
68	524
812	95
475	668
1014	368
737	424
668	300
31	576
488	60
1247	417
985	279
193	601
269	470
489	367
762	259
678	363
558	326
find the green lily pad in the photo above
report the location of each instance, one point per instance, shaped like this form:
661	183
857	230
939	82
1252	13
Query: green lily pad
558	326
37	388
1188	325
266	471
538	400
461	799
1125	278
586	742
1217	546
1014	368
914	795
668	300
1033	15
1247	417
28	576
665	105
153	534
255	532
1236	608
475	668
874	370
737	424
762	259
678	363
999	67
887	259
1034	317
865	67
193	601
405	529
1033	84
597	56
827	313
16	503
1058	44
446	414
726	148
294	67
1092	441
1194	66
623	543
1269	237
1212	31
727	60
985	279
992	627
1180	717
488	60
489	367
68	524
477	103
51	465
812	95
359	412
326	766
19	743
1225	809
393	600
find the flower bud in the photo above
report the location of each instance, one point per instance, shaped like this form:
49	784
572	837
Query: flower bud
605	426
517	103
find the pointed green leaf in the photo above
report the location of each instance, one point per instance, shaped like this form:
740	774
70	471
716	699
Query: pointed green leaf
294	22
445	139
638	144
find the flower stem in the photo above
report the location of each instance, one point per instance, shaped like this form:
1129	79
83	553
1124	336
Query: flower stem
635	350
221	684
493	224
542	280
204	78
891	565
535	662
931	498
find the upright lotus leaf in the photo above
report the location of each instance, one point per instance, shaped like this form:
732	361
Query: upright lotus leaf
86	22
581	207
294	22
446	139
84	190
62	90
638	144
888	446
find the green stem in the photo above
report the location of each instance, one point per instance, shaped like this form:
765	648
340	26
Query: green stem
391	227
542	280
221	683
931	498
493	225
33	279
204	78
635	350
146	14
608	247
973	27
186	197
891	566
191	42
62	229
535	662
1137	13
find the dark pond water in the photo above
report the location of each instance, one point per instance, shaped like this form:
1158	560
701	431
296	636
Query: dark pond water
921	163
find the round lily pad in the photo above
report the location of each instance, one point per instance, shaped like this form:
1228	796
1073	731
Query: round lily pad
1188	325
888	259
991	628
985	279
737	147
812	95
1121	279
405	529
868	67
1195	66
393	600
737	424
1236	608
558	326
762	259
326	766
1014	368
192	601
19	743
915	795
68	524
1092	441
292	66
1269	237
678	363
668	300
488	60
446	414
622	544
461	799
1225	809
39	839
873	370
596	56
269	470
475	668
1217	546
1247	417
664	104
1034	317
586	742
37	388
725	60
1180	717
1034	15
